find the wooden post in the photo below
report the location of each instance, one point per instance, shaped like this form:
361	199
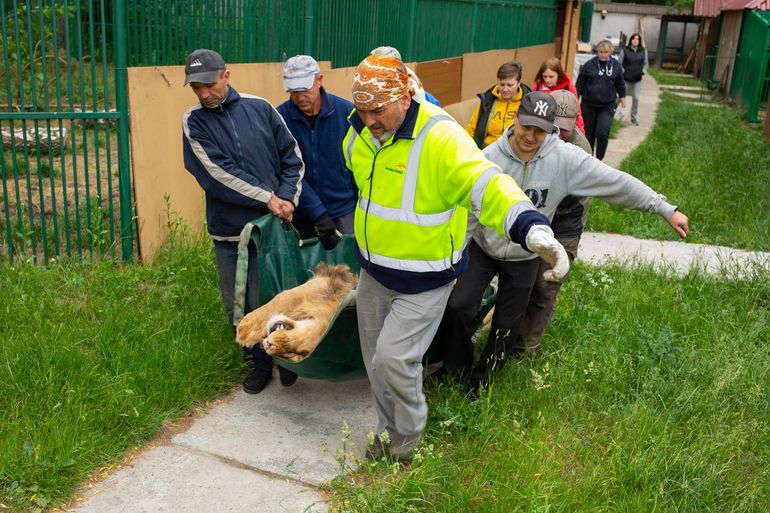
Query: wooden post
661	42
572	48
566	30
767	127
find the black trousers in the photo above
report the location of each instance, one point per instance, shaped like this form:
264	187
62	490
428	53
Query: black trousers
515	282
598	122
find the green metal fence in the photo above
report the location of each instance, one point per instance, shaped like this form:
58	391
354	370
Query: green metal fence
64	174
341	31
586	19
64	163
751	77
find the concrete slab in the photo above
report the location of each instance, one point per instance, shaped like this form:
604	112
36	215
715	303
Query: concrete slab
680	257
697	96
287	431
171	479
670	88
705	104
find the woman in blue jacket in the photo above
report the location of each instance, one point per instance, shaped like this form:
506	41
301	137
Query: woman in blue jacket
599	85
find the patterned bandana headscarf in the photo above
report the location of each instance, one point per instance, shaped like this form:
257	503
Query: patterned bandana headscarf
379	81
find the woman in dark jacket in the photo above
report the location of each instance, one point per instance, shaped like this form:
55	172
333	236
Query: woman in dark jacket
634	60
599	84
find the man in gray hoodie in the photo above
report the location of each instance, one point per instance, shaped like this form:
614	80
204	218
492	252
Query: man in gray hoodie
548	170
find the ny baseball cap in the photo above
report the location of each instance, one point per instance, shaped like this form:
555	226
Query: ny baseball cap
537	109
299	73
566	109
203	66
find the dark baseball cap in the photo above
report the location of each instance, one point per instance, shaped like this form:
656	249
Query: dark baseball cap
537	109
203	66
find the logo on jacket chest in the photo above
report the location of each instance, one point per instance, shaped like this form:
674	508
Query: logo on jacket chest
498	115
398	168
537	196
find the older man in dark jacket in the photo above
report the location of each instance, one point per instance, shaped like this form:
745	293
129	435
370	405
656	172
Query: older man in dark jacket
241	153
319	122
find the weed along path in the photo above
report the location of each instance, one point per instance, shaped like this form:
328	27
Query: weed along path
273	451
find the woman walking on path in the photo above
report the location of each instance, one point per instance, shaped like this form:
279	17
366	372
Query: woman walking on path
599	84
551	77
633	58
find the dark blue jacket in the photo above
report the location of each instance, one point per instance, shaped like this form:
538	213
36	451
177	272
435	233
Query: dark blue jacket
328	186
241	153
599	83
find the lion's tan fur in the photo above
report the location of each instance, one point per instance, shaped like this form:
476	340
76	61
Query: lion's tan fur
301	314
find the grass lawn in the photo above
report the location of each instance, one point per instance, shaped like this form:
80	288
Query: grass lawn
711	164
652	394
95	358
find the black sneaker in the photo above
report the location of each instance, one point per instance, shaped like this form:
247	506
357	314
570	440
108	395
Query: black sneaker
257	380
287	377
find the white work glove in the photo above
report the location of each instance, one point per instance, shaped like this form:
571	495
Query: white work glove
540	240
620	113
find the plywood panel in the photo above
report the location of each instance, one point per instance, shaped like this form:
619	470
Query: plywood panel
463	110
442	78
728	47
531	58
339	81
157	102
480	69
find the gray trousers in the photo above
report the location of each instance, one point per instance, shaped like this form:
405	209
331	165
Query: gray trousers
396	330
635	88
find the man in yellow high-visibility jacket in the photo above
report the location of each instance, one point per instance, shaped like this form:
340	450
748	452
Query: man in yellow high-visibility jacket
418	174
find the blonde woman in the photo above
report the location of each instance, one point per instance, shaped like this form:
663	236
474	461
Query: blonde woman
599	85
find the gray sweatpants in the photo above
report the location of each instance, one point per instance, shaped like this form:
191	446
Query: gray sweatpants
396	330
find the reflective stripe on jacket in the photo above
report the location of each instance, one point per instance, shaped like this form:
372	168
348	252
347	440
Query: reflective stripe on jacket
414	190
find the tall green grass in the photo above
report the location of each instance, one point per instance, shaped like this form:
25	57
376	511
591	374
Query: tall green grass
94	358
652	395
711	164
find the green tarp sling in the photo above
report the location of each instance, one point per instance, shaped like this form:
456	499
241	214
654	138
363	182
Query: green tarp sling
286	262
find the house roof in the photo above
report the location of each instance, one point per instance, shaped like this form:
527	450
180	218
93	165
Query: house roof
739	5
643	9
712	8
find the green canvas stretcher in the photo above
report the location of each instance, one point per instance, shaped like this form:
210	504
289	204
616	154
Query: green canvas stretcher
286	262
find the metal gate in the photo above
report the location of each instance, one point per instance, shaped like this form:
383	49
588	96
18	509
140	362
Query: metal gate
64	160
751	78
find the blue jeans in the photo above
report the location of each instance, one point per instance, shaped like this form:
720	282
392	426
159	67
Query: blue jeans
226	254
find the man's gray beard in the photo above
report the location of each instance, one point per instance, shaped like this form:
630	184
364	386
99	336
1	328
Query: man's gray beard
385	136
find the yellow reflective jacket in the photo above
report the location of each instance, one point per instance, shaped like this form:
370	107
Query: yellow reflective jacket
414	190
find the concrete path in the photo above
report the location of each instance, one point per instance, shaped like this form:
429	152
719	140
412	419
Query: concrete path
270	452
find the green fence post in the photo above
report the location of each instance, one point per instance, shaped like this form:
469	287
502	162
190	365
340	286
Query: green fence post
121	104
309	27
410	53
474	23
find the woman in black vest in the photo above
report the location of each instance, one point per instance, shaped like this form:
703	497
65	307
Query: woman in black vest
634	60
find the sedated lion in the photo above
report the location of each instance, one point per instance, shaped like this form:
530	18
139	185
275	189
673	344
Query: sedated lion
292	323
